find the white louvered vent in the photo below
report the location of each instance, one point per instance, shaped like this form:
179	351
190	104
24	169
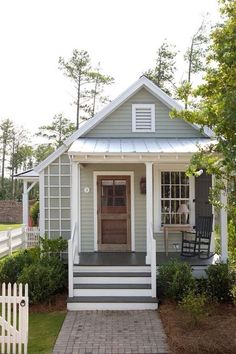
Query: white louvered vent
143	117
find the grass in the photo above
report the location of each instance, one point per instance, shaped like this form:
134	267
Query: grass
43	331
4	227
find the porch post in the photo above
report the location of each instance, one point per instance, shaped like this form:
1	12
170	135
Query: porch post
149	208
25	204
75	207
223	227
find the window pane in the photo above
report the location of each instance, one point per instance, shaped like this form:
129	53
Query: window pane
184	191
120	190
165	178
175	192
165	206
175	178
184	178
165	192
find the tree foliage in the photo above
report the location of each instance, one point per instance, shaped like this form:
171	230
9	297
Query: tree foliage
89	83
42	151
217	107
163	74
57	131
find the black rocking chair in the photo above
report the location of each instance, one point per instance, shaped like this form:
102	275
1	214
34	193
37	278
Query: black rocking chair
199	243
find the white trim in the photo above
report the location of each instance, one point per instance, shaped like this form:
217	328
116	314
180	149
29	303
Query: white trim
149	208
41	204
134	117
114	173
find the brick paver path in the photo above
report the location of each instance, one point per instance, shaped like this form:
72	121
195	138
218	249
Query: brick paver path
107	332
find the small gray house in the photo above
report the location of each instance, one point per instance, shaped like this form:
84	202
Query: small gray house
117	191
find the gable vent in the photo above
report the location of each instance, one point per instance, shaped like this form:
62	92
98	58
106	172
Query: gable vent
143	117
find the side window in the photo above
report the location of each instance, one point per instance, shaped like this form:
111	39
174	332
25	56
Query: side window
175	198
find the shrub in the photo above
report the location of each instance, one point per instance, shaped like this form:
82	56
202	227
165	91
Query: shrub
194	305
12	266
233	293
45	278
175	279
34	212
219	282
52	247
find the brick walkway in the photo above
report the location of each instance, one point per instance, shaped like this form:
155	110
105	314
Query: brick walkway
107	332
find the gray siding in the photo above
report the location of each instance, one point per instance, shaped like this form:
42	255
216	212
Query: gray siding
87	204
57	184
119	123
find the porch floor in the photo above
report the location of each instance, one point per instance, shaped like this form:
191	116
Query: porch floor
136	259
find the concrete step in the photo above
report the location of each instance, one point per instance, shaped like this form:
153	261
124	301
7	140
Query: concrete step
112	303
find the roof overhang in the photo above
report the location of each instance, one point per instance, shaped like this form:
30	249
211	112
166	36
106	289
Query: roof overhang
29	176
134	150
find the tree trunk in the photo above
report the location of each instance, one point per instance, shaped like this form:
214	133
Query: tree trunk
78	102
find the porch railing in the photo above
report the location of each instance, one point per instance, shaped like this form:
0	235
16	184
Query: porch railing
153	261
73	251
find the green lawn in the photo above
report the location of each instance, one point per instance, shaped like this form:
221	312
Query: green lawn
43	331
4	227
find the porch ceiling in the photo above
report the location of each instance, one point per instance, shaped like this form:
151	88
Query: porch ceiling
113	146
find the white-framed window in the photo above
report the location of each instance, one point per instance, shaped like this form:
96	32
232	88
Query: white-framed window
175	198
170	191
143	117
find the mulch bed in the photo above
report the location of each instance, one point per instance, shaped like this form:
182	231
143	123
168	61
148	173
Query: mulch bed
57	303
214	334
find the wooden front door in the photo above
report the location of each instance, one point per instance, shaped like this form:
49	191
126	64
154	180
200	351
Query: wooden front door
113	202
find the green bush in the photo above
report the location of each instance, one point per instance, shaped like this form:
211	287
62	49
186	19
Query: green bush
12	266
233	293
194	305
219	282
175	279
45	278
52	247
34	212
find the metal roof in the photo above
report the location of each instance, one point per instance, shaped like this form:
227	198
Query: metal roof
27	174
136	145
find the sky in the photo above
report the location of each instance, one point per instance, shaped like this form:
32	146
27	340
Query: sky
123	35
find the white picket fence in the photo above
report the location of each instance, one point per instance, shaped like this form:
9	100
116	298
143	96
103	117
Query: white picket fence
14	319
11	240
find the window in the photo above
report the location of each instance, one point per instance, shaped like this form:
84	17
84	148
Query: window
175	198
143	117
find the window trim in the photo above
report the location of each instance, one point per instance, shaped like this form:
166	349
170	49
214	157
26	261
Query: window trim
142	105
157	193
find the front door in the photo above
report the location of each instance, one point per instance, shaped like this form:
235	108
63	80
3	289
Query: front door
114	213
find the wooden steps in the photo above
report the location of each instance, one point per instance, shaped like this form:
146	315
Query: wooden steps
111	288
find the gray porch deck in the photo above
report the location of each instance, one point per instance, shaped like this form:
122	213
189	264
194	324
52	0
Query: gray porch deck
137	259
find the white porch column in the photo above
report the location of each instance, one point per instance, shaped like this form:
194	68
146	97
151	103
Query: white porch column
75	204
149	208
223	227
25	204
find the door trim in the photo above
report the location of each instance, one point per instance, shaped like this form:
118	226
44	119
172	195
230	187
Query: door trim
113	173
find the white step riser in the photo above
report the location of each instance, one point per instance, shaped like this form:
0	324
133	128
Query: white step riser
83	306
111	269
112	280
112	292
